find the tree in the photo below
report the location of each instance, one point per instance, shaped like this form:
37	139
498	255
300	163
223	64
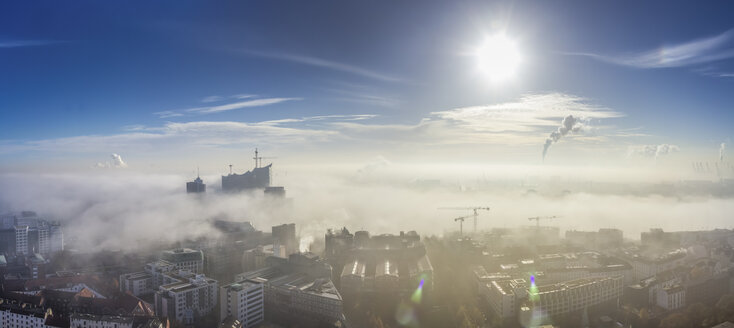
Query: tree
697	313
725	308
675	320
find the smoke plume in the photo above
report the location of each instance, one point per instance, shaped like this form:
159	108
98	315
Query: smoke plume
652	150
117	162
569	124
665	149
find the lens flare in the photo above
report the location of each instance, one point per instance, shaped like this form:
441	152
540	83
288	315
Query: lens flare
418	294
405	315
533	290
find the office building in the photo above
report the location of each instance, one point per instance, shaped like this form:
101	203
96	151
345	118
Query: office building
196	186
504	296
548	301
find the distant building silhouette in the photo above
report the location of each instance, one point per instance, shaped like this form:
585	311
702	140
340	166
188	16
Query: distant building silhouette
258	178
195	186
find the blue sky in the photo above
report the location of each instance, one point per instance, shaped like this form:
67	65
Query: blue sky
148	80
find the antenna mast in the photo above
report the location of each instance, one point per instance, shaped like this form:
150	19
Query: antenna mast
258	159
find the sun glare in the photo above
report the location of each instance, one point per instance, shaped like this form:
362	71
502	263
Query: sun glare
498	58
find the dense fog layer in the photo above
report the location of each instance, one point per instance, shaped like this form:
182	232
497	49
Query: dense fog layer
123	209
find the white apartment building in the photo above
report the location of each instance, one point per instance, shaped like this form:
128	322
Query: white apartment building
13	315
190	296
671	298
243	300
21	240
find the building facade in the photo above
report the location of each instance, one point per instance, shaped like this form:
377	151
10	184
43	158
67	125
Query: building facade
188	297
244	301
185	259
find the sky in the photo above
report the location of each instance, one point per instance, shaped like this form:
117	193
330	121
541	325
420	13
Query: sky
348	81
601	113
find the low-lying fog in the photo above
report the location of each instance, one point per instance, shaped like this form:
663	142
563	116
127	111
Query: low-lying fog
124	209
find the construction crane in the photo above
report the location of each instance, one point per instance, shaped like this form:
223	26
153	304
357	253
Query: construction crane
461	224
538	218
475	209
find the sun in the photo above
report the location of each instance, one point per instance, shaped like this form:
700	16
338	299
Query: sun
498	58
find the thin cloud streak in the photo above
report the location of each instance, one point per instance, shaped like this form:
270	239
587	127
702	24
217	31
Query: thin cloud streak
241	104
224	107
167	114
27	43
699	51
318	62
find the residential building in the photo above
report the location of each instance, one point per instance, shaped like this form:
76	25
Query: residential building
146	282
185	259
80	320
243	301
187	297
671	298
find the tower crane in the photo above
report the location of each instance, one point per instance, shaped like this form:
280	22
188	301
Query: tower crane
538	218
461	223
475	209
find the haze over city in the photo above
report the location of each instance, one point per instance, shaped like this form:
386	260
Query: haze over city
372	116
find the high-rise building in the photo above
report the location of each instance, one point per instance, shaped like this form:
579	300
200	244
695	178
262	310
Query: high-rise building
21	240
244	301
25	233
195	186
285	236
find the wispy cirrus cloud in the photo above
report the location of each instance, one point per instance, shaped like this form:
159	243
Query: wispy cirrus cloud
167	114
216	98
694	52
224	107
525	121
239	105
27	43
323	63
